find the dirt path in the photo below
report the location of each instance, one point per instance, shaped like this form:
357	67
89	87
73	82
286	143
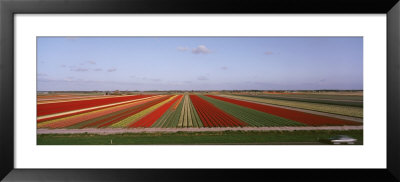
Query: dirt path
303	110
105	131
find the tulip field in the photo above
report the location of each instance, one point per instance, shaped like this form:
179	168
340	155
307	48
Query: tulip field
170	111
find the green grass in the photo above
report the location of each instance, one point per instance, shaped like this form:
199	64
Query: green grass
194	138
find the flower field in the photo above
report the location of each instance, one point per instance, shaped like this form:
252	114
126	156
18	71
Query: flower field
302	117
345	110
169	111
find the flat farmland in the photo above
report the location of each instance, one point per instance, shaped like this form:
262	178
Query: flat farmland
172	111
195	118
320	105
341	100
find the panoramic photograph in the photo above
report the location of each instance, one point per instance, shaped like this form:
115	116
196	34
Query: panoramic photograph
199	91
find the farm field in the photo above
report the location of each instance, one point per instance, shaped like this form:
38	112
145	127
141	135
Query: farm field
341	100
171	111
346	110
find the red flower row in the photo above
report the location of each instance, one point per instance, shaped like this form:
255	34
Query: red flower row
52	108
212	116
151	118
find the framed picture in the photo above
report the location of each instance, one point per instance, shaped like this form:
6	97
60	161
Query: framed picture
133	89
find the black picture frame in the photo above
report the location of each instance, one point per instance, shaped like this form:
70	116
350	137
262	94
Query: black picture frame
8	8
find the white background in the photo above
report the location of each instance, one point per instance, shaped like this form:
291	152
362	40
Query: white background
371	155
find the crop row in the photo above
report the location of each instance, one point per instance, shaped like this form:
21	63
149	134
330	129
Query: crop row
119	116
107	117
171	117
78	120
149	119
327	108
88	110
354	103
318	96
306	118
114	118
213	116
71	98
134	118
188	117
251	116
51	108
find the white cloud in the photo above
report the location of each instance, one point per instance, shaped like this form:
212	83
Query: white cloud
98	69
201	49
91	62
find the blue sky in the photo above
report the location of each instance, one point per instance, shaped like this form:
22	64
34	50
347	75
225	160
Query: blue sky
199	63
